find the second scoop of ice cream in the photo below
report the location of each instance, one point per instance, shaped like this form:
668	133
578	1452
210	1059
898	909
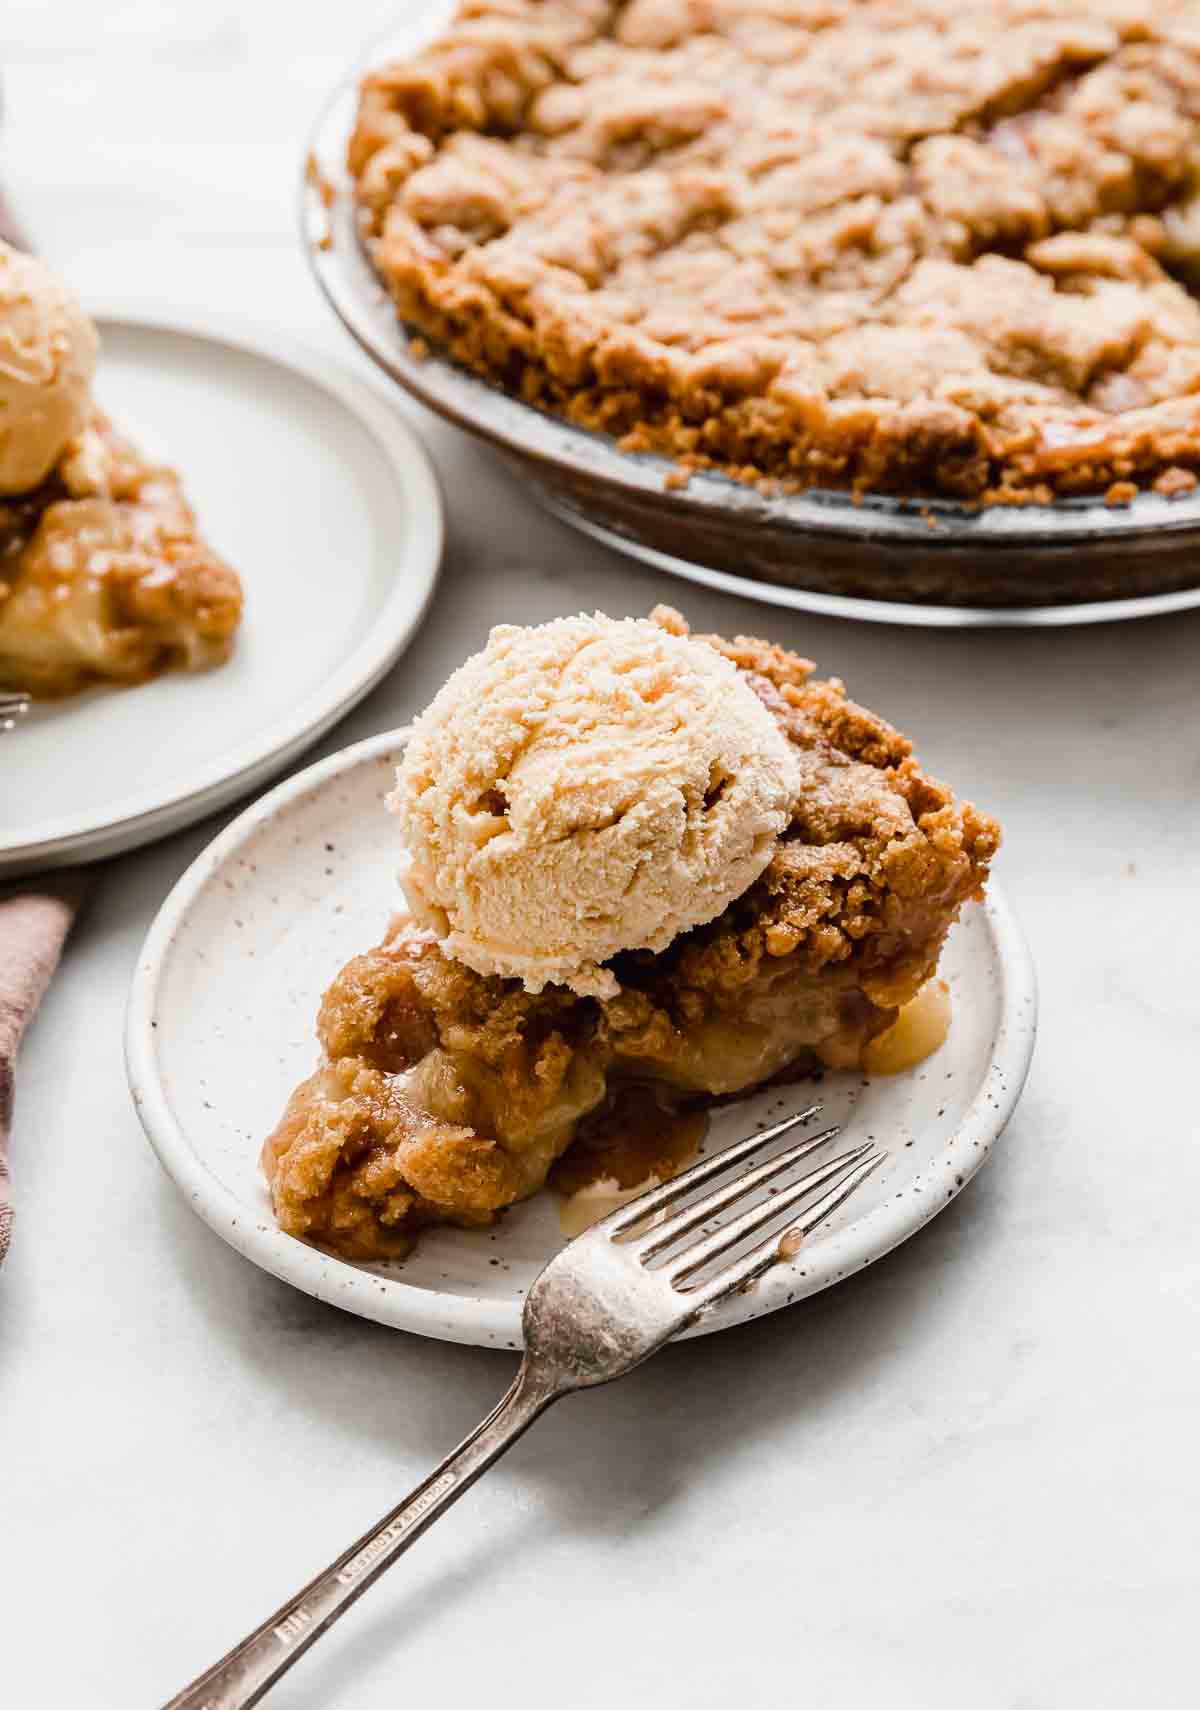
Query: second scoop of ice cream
47	355
586	787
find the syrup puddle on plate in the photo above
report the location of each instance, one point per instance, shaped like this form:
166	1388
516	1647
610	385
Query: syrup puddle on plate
639	1140
917	1032
635	1142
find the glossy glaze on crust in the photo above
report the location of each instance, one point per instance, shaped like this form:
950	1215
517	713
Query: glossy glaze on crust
443	1095
104	575
931	247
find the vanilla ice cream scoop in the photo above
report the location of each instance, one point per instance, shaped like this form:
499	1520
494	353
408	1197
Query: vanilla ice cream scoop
587	787
47	357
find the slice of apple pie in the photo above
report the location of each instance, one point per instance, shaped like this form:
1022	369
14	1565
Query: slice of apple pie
104	575
447	1091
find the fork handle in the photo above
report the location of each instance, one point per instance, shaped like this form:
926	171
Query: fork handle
251	1668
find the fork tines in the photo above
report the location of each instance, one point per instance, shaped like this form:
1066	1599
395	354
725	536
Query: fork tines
833	1181
13	708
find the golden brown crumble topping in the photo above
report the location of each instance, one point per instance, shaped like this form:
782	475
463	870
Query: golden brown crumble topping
927	246
103	574
444	1095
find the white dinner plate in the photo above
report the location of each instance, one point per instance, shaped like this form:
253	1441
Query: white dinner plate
220	1030
322	498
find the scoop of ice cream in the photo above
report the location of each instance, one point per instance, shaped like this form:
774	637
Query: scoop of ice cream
586	787
47	357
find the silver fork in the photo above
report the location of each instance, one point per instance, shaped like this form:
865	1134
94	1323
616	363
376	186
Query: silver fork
598	1309
13	708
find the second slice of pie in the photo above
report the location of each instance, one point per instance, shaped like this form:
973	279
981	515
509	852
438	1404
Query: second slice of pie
104	575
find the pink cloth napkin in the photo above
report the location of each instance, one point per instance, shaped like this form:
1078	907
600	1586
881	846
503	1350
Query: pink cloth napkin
34	922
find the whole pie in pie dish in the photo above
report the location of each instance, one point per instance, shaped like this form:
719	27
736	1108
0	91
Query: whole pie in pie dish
103	572
938	248
648	871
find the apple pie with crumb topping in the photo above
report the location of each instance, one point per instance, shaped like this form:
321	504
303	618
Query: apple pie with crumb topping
926	247
444	1095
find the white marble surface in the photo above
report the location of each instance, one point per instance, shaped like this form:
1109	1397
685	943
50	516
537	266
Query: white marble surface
967	1477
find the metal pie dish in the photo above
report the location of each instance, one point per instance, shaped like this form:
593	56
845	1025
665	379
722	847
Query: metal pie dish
921	560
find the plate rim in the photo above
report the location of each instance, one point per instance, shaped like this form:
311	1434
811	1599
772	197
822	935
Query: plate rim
458	1318
72	836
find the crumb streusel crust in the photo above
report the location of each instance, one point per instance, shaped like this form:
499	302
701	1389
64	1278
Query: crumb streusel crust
922	246
443	1095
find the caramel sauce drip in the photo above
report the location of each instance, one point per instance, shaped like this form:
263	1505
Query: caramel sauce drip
917	1032
634	1136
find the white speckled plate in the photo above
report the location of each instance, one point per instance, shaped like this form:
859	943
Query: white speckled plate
322	498
220	1029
